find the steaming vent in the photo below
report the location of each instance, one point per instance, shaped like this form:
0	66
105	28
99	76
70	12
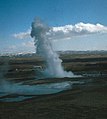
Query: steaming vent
40	32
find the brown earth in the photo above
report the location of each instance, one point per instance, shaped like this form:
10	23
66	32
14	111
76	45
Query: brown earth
88	101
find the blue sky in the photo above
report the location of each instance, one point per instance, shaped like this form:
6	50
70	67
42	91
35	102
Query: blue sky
17	15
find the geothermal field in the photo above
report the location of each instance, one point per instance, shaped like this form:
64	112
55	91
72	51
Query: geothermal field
23	95
53	85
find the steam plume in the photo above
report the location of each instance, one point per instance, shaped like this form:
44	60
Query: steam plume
40	34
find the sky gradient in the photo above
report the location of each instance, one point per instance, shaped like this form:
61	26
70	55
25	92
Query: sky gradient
17	15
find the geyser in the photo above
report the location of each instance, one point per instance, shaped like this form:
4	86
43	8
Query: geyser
43	44
40	32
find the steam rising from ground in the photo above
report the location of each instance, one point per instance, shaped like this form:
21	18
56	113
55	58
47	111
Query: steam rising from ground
23	92
40	33
9	88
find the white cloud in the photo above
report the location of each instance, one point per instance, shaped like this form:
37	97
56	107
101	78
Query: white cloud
12	47
68	31
80	29
22	35
29	44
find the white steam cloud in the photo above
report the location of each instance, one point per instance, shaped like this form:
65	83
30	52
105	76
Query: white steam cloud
40	33
69	31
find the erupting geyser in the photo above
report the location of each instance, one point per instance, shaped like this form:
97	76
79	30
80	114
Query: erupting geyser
40	33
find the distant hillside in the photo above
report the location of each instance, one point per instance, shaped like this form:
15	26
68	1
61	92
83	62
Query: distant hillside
83	52
59	52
